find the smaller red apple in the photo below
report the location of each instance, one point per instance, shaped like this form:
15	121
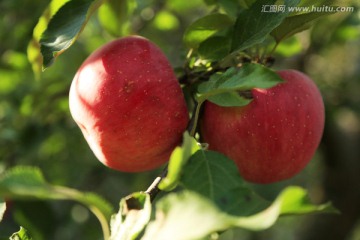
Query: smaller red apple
276	135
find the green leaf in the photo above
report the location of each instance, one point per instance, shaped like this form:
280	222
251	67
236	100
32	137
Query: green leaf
241	201
253	25
65	27
133	216
296	201
2	209
247	77
33	49
216	177
178	212
215	48
29	183
229	99
296	24
211	174
22	234
22	181
185	215
178	159
114	16
205	27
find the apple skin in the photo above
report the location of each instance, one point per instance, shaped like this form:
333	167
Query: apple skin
275	136
129	105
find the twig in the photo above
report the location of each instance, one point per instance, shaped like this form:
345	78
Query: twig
153	189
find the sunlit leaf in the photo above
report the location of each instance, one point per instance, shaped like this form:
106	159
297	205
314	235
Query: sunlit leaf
22	234
185	215
296	201
134	214
178	159
178	212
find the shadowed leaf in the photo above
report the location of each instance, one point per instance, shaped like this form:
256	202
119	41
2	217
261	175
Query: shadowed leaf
65	27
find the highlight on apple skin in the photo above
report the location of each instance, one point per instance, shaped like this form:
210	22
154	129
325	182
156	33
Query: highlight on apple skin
276	135
129	105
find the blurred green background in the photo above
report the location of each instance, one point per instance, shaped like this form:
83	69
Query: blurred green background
36	127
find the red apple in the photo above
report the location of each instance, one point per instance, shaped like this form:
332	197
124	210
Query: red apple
276	135
129	105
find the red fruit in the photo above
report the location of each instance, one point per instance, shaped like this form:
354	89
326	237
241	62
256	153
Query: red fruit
129	105
276	135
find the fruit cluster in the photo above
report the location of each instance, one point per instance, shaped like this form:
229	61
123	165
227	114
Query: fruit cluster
131	109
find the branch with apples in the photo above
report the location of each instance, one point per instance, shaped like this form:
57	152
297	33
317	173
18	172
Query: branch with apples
221	122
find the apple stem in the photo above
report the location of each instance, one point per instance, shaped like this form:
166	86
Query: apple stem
195	118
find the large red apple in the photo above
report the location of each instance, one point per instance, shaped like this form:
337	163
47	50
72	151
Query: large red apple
129	105
273	137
